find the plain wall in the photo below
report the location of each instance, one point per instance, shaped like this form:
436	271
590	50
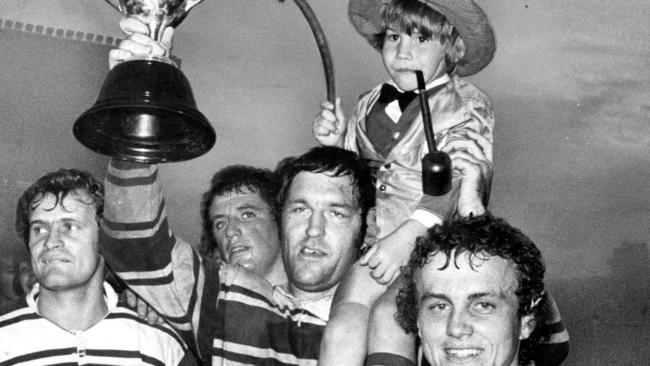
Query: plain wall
570	89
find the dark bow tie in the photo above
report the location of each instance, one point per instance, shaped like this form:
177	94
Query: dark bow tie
389	93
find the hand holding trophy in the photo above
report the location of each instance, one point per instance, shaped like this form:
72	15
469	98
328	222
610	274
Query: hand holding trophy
145	111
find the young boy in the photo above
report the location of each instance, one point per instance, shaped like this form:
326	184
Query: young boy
445	39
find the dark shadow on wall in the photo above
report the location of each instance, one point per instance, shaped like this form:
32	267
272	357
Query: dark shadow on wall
609	317
48	78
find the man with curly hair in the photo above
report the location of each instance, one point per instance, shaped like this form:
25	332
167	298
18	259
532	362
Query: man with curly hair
474	292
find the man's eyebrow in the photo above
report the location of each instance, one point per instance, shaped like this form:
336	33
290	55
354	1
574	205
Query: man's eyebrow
341	204
433	295
63	219
244	207
344	205
473	296
479	295
250	206
291	201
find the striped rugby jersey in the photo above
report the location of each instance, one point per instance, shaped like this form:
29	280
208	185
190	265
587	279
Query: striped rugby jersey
120	338
230	315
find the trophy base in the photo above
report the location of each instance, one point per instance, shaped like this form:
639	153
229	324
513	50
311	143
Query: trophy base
145	112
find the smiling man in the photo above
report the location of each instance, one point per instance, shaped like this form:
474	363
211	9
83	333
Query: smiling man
474	293
72	315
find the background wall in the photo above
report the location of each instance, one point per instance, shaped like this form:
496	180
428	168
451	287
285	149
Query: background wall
570	88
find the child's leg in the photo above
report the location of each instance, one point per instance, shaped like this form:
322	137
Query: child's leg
388	343
345	338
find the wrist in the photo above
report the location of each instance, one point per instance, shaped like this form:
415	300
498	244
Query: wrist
426	218
474	210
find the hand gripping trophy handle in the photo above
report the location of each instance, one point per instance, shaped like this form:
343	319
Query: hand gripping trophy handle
156	14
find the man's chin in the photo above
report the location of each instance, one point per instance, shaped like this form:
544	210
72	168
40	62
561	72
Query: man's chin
309	284
245	263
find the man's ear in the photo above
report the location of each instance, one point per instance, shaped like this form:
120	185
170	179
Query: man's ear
527	326
425	348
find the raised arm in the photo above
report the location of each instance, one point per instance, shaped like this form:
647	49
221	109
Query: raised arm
140	247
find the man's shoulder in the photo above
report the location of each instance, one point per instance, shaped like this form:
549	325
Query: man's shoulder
125	318
260	324
239	279
16	311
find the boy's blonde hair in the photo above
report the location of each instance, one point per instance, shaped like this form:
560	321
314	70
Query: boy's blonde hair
407	16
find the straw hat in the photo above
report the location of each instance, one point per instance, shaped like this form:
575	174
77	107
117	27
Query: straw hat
468	18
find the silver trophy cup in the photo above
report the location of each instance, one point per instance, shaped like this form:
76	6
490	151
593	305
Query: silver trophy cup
145	110
156	14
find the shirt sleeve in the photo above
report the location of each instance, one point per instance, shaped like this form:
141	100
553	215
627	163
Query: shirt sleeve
140	247
555	348
350	137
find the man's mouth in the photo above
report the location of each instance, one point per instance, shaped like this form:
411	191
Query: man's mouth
238	250
55	260
311	252
461	353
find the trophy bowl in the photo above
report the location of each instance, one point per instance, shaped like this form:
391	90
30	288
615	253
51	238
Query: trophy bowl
145	110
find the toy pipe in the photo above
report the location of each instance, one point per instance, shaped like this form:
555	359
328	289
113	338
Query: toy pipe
436	165
426	113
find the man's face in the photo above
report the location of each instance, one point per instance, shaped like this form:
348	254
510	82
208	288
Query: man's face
403	54
63	242
245	231
469	316
321	223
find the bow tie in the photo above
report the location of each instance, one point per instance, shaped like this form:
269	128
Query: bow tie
389	93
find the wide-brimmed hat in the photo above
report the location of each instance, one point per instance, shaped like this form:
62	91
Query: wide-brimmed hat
468	18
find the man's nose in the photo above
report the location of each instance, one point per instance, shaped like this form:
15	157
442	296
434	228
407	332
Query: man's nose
316	226
54	239
233	228
459	324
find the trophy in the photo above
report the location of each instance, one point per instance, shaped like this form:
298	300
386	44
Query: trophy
145	110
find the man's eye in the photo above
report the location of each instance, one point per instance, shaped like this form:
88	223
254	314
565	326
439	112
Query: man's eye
297	209
439	306
219	225
248	215
70	226
339	214
423	39
38	230
484	306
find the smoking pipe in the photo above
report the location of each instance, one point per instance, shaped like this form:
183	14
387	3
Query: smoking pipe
436	165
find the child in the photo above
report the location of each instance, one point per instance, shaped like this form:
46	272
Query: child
445	39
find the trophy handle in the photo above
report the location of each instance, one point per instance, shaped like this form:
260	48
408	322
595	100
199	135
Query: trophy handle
116	7
190	4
